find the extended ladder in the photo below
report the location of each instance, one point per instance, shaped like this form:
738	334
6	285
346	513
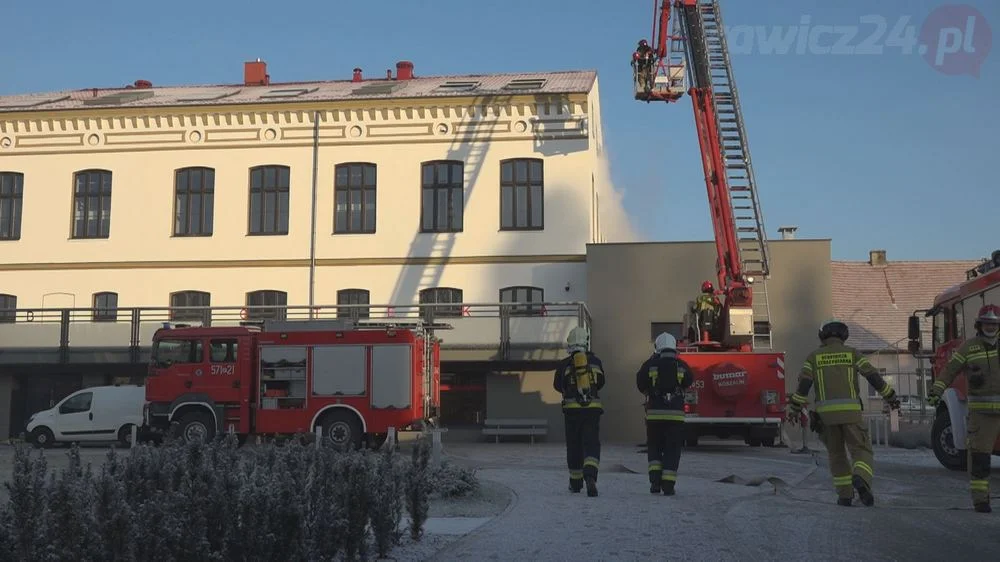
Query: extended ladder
733	141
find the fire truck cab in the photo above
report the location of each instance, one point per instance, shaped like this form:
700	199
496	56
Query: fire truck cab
953	318
290	377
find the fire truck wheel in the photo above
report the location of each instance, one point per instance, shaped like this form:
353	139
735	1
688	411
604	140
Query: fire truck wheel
942	442
196	427
342	429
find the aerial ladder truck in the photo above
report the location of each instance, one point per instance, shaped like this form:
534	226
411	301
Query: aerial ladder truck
746	378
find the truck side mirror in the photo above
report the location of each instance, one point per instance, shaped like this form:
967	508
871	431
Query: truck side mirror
913	329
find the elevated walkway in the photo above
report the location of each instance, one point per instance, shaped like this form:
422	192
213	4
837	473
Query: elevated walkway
480	331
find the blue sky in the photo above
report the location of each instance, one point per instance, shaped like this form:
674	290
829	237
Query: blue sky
871	150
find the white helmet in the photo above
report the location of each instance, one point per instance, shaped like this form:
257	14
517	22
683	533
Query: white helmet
579	339
665	342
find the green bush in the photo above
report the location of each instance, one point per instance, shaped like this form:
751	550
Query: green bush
220	502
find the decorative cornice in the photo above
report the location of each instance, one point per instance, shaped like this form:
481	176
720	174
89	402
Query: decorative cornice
495	118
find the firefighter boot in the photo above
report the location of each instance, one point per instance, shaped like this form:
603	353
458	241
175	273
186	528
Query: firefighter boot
668	488
654	488
846	502
591	486
575	486
983	507
864	492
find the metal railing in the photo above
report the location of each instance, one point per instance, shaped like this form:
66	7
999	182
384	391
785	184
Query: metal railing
501	326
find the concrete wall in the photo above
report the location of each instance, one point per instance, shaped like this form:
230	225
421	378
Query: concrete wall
526	394
632	285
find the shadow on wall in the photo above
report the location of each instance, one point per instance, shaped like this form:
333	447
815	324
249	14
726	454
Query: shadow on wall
796	315
550	124
525	395
470	149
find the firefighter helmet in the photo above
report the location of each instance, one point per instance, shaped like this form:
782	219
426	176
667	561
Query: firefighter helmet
643	43
665	342
834	328
578	340
988	314
707	287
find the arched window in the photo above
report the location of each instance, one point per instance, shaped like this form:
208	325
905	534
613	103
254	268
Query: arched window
265	304
11	198
182	299
194	201
269	189
528	300
353	297
354	198
105	308
442	196
522	198
92	204
442	295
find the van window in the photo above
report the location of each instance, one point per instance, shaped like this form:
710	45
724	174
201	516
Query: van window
171	352
79	403
223	351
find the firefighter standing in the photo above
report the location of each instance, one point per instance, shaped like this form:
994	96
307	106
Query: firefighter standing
579	378
642	65
707	308
978	357
663	378
833	369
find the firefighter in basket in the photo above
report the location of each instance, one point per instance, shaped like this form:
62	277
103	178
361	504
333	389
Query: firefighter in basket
579	378
832	370
707	308
978	358
663	378
642	66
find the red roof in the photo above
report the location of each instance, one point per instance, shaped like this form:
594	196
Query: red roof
876	300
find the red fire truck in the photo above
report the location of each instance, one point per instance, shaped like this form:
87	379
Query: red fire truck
953	318
739	382
354	381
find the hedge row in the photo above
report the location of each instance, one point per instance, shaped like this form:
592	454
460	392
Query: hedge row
220	502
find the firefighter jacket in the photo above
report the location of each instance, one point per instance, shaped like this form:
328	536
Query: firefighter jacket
663	378
834	370
580	384
978	358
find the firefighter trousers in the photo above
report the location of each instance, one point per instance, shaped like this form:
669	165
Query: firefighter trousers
983	430
664	440
583	444
851	439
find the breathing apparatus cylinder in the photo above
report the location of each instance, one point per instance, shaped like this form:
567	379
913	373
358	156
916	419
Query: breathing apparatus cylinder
584	376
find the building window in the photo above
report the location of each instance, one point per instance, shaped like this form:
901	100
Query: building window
522	205
92	204
269	189
182	299
8	309
522	295
194	201
442	295
353	297
442	196
354	203
105	307
11	195
675	329
270	299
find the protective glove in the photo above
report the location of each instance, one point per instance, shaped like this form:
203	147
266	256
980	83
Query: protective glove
933	399
792	413
815	422
892	400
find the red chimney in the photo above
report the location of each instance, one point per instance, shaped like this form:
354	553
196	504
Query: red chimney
357	75
143	84
255	73
404	70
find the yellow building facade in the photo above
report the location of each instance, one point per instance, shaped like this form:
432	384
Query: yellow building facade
374	193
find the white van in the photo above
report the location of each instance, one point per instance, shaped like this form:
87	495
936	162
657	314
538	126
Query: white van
99	413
